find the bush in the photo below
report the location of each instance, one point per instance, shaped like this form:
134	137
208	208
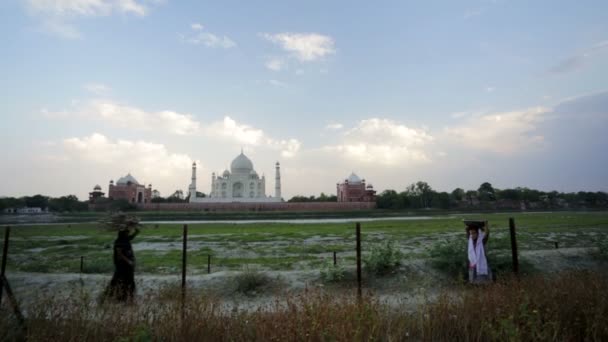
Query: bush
331	273
250	280
450	257
383	259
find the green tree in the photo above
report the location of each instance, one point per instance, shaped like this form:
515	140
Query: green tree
486	192
37	201
458	194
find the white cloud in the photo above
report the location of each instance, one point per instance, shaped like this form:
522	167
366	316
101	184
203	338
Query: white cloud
305	47
56	14
199	36
229	129
132	117
276	64
241	133
506	133
334	126
490	89
86	7
147	161
384	142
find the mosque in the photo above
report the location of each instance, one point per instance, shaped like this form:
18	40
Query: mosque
241	184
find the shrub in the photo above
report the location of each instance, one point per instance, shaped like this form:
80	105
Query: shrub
250	280
602	249
450	257
383	259
331	273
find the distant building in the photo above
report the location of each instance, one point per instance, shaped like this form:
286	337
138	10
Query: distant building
96	194
128	188
241	184
353	189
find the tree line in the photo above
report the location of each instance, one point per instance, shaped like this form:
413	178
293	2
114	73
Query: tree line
418	195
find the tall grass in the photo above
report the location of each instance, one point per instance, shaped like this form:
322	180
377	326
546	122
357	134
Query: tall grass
568	307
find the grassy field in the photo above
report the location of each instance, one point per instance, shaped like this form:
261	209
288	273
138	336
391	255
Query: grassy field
281	246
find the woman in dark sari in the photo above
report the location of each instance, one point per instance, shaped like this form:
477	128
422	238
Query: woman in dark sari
122	285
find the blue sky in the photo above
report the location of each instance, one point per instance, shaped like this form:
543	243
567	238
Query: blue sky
452	92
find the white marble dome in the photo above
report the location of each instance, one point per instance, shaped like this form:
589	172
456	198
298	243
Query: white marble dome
241	164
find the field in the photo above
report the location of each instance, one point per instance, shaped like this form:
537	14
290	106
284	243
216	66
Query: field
280	246
254	264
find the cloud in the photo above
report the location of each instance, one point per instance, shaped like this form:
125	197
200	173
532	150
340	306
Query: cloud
72	8
504	133
196	27
580	60
334	126
147	161
131	117
276	64
229	129
172	122
198	36
57	14
384	142
306	47
490	89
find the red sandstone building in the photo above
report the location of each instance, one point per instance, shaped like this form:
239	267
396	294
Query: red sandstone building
96	195
353	189
129	189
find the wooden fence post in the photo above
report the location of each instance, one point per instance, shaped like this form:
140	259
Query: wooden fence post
184	248
358	234
513	246
7	233
335	259
4	282
209	264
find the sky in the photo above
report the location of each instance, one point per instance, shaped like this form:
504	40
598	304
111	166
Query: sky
454	93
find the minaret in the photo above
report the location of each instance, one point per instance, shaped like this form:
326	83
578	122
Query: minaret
212	193
192	188
277	181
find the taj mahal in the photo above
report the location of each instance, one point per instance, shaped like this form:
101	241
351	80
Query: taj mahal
241	184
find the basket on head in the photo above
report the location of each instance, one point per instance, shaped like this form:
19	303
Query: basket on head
474	224
120	221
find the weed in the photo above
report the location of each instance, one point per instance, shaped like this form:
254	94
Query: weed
383	259
331	273
449	257
250	280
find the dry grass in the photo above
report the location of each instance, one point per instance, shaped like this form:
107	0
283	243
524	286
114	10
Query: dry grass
569	306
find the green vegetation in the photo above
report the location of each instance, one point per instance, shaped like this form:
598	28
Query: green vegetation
383	259
331	273
283	246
